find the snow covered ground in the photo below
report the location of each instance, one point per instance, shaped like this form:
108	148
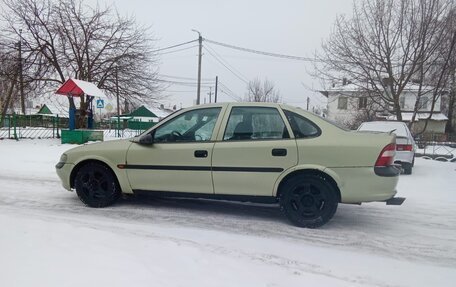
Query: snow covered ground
48	238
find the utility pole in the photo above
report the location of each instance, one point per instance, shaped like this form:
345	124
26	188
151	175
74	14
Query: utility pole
118	101
216	88
21	77
200	55
210	94
308	101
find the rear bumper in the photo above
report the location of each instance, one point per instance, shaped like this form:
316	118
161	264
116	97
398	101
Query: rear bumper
387	171
361	184
395	201
404	156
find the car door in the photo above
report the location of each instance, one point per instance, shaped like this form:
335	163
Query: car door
180	157
255	147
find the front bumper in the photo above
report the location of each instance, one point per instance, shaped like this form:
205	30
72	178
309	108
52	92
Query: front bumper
64	172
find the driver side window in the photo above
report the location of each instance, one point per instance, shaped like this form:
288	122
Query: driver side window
192	126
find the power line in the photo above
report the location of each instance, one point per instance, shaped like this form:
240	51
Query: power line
174	46
178	50
229	95
227	91
283	56
188	91
189	84
240	77
226	62
185	78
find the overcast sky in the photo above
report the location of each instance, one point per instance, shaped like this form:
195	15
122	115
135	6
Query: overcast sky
287	27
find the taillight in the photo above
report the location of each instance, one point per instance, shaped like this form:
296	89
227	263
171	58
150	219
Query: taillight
404	147
386	157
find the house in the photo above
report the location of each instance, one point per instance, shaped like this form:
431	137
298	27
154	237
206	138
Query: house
143	117
349	105
50	110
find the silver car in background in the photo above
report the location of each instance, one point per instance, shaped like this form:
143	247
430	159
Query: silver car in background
405	144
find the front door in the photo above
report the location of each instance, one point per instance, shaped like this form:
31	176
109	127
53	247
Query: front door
180	158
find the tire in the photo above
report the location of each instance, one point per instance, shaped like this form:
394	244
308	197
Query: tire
407	168
96	185
308	200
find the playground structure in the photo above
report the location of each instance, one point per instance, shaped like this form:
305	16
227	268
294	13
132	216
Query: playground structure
78	131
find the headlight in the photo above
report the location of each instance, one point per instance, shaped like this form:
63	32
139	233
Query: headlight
63	158
61	163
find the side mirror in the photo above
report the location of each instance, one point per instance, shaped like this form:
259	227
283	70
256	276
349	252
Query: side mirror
146	139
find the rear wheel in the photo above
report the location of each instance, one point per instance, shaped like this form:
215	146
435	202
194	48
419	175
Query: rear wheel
308	200
96	185
407	168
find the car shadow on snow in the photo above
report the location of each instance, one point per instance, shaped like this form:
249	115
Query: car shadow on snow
206	207
209	212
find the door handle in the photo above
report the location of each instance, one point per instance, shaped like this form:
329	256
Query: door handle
200	153
279	152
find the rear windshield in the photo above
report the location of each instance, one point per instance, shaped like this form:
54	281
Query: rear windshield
398	128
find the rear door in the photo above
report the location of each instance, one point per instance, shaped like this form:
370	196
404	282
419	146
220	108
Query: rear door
254	146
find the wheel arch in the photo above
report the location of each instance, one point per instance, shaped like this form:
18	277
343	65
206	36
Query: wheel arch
325	173
82	163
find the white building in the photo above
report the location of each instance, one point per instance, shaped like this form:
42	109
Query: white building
348	104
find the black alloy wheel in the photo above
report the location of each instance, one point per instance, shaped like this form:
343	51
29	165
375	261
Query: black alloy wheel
96	185
308	200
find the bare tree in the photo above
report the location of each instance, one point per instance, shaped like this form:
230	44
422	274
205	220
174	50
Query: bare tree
258	91
386	45
68	39
8	78
363	113
448	50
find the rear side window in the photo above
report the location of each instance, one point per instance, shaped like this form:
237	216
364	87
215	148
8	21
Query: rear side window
302	127
255	123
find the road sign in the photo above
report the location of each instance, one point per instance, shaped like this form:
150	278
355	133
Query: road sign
109	107
100	104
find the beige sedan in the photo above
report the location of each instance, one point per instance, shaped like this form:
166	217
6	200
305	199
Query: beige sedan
253	152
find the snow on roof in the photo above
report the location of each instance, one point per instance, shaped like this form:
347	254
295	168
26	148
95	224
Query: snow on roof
345	88
159	112
416	87
356	88
121	118
58	109
57	105
420	116
76	87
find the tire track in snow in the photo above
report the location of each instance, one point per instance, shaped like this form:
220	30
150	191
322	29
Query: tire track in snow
293	266
372	229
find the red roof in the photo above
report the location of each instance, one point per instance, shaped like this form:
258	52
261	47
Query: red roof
77	88
69	88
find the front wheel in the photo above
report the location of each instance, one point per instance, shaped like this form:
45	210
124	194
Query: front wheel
96	185
308	200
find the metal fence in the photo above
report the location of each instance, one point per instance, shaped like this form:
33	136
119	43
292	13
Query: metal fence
49	133
42	127
439	146
39	127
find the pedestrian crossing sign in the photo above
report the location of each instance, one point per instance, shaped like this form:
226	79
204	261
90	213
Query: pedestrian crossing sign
100	104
